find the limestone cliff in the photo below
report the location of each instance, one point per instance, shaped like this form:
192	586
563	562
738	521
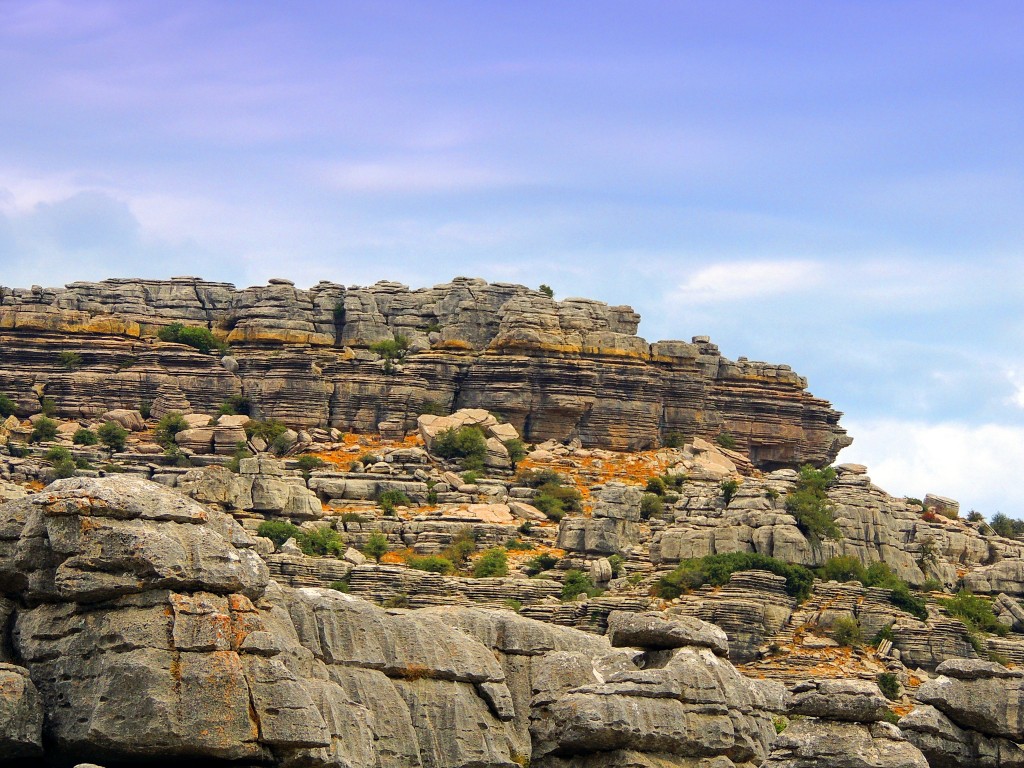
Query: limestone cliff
555	369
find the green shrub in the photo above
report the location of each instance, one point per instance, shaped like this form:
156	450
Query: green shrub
729	488
70	360
465	443
493	562
308	462
515	545
431	563
236	405
656	485
47	406
889	685
388	500
235	463
542	562
376	546
975	612
432	408
462	546
556	500
433	498
674	440
972	517
515	605
890	717
810	505
64	468
194	336
57	453
843	568
112	435
44	429
516	451
651	505
880	575
618	565
278	531
885	633
933	585
578	583
341	585
320	541
535	478
392	349
472	477
400	600
84	436
367	459
179	458
547	290
7	406
169	425
352	517
146	408
268	431
846	631
1006	526
725	440
716	570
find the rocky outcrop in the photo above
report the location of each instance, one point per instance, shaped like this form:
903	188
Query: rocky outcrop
562	370
143	624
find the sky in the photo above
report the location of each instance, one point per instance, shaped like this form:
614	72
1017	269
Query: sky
833	184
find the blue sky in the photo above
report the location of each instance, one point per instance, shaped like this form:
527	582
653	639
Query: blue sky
836	185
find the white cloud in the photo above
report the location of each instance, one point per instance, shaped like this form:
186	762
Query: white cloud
735	281
977	464
414	176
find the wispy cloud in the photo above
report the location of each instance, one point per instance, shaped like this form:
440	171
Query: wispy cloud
738	281
415	176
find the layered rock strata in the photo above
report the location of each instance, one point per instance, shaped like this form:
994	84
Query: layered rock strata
555	369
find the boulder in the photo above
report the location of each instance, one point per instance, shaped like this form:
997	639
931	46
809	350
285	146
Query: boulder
658	631
129	419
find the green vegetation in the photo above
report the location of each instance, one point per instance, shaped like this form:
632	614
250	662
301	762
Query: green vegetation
885	633
542	562
516	451
112	435
890	717
431	563
7	406
391	350
179	458
57	453
376	546
352	517
716	570
515	545
278	531
44	429
388	500
308	462
64	468
169	425
367	459
780	723
656	485
975	612
810	505
1006	526
673	440
547	290
515	605
729	488
462	546
467	444
972	517
400	600
341	585
320	541
69	360
846	631
889	685
651	505
194	336
84	436
618	565
272	432
493	562
241	452
433	408
848	568
725	440
472	477
47	406
578	583
553	498
235	405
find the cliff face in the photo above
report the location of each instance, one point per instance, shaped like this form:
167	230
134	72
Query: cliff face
555	369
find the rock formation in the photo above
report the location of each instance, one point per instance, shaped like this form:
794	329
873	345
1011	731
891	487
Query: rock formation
555	369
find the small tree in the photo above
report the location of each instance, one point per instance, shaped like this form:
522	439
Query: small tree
516	451
278	531
7	406
729	488
308	462
169	425
376	546
465	443
651	505
578	583
391	350
113	435
390	499
84	436
44	429
493	562
69	360
547	291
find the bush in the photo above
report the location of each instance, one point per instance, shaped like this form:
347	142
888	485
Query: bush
367	459
341	585
516	451
651	505
493	562
392	349
885	633
84	436
547	290
235	464
112	435
308	462
889	685
194	336
146	408
462	546
535	478
7	406
57	453
673	440
578	583
846	631
431	563
278	531
542	562
1006	526
618	565
844	568
43	430
376	546
47	406
432	408
515	545
972	517
556	500
975	612
810	505
64	468
70	360
729	488
236	405
388	500
321	541
656	485
169	425
725	440
716	570
471	477
465	443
